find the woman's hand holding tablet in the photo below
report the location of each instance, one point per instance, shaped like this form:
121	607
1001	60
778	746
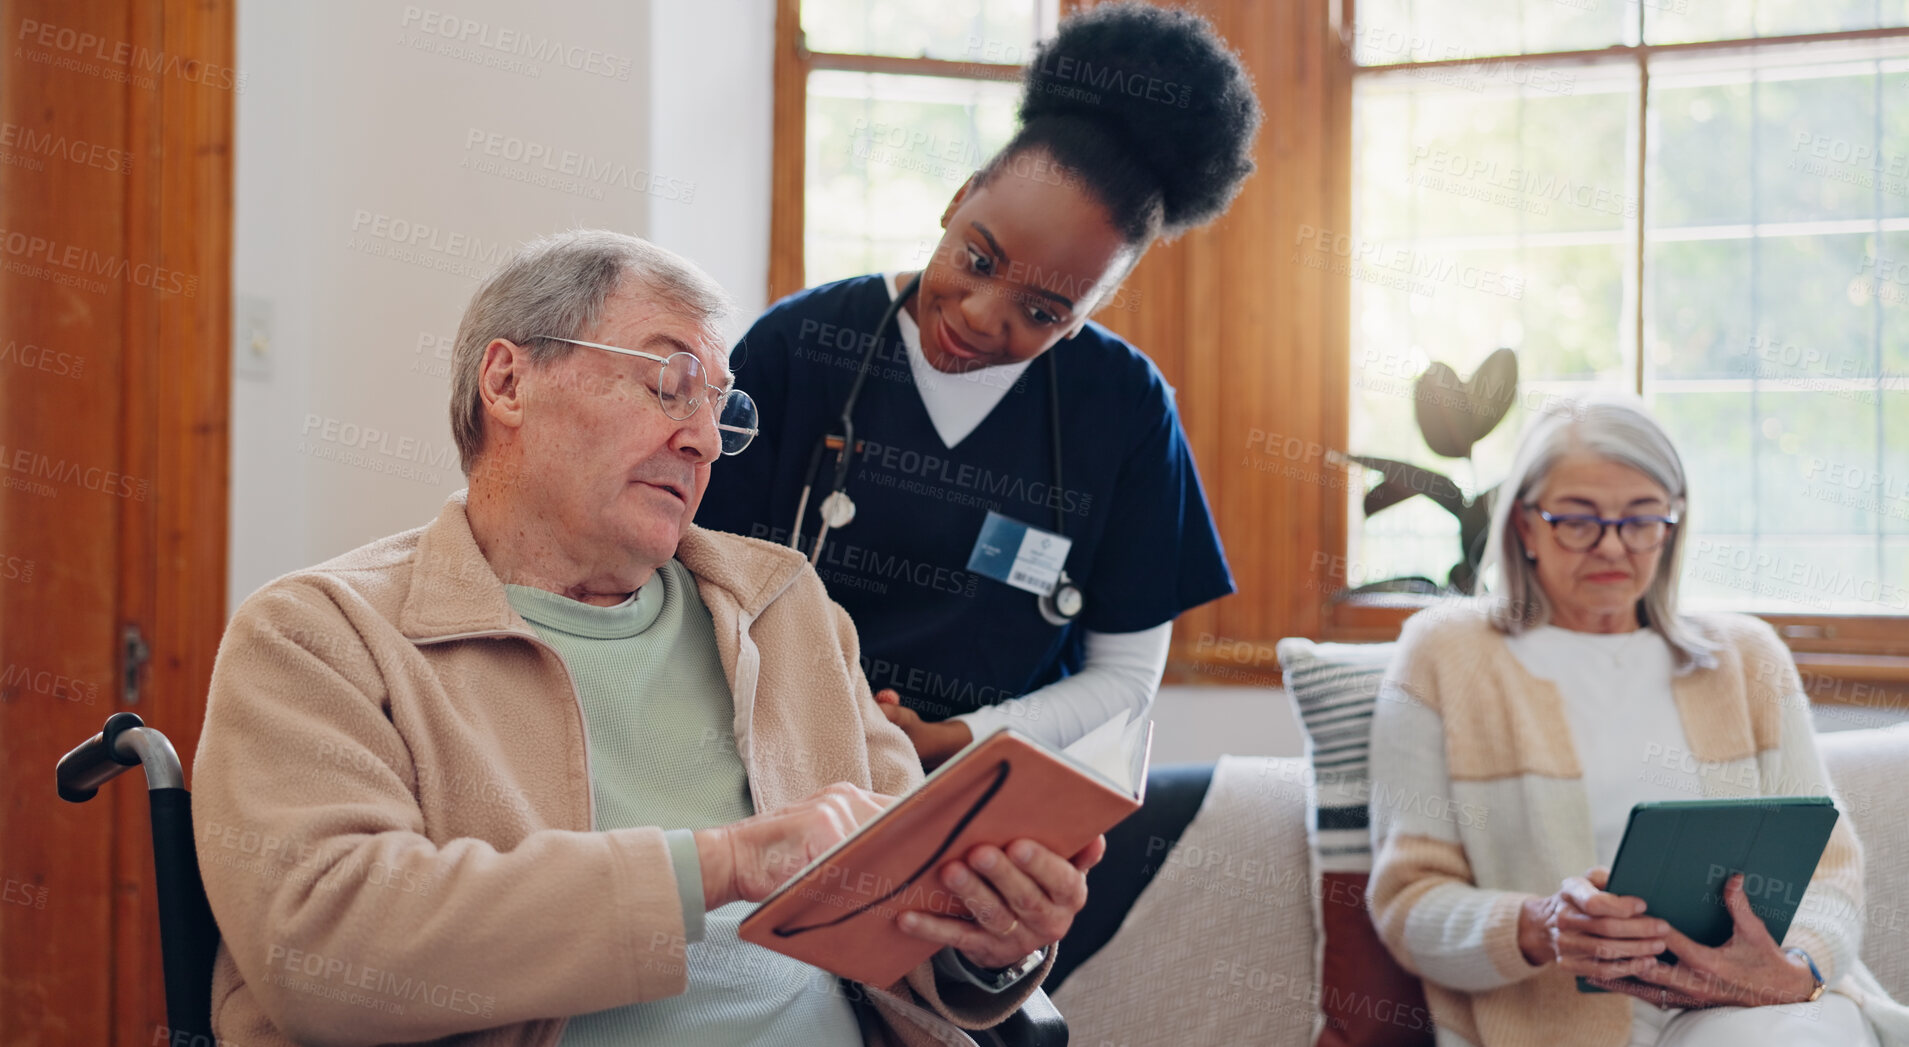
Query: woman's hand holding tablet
1589	931
1749	970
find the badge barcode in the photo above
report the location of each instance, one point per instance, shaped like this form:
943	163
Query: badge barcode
1024	578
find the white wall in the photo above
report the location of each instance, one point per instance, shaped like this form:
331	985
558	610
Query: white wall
377	144
711	121
273	168
1200	724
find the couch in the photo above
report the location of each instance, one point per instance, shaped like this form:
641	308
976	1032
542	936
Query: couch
1221	948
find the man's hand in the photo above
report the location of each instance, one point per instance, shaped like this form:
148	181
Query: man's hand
1022	899
746	860
1749	970
934	742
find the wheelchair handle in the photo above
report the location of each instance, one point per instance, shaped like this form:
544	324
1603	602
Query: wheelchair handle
124	743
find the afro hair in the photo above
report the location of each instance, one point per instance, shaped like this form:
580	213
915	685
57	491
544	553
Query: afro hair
1148	108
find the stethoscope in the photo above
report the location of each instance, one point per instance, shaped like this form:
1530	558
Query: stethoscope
1059	607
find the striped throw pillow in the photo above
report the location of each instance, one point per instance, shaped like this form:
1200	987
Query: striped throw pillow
1333	688
1365	998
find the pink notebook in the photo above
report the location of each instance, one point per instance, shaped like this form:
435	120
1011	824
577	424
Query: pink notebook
839	913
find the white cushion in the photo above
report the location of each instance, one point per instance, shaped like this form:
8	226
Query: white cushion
1869	769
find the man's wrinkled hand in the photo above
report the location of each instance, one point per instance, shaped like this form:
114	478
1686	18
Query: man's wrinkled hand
1023	899
749	859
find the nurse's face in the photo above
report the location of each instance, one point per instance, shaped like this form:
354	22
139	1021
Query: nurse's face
1024	260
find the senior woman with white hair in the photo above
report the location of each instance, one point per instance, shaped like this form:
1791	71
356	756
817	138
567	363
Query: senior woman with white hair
1571	690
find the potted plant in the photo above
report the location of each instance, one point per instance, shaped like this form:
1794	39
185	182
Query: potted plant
1453	415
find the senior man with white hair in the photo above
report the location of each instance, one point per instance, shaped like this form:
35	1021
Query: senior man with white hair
514	777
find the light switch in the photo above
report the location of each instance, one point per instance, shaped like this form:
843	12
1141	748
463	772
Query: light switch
252	335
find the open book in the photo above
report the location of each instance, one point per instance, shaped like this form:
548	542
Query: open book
839	912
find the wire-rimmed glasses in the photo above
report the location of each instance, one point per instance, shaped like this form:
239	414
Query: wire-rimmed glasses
682	374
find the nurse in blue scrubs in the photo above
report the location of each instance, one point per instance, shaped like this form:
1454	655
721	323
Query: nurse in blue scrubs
1027	520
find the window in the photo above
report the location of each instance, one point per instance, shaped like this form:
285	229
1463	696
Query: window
902	101
1703	203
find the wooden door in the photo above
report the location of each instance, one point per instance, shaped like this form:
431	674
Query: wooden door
115	246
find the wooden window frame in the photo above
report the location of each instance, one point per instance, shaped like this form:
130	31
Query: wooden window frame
1306	49
1860	660
789	153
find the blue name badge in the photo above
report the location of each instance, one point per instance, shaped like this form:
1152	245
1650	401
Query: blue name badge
1024	557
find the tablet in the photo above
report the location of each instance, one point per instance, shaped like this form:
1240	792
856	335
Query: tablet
1678	855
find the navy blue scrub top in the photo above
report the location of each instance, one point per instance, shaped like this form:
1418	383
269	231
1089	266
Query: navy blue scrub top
947	639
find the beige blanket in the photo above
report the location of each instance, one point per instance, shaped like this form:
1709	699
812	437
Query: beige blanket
1219	948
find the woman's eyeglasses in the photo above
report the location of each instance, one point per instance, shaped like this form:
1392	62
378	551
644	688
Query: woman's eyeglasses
681	389
1580	532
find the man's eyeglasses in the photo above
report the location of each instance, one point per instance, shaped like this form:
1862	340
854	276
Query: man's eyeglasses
1580	532
681	389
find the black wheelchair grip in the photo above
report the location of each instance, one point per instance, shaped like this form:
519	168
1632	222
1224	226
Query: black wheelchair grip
185	920
94	762
1037	1024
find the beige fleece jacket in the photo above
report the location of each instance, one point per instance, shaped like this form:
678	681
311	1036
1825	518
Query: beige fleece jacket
393	810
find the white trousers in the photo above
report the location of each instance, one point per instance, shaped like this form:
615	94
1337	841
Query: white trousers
1832	1021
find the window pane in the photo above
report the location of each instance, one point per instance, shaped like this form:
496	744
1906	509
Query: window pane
1773	314
1392	31
1882	280
1886	495
1481	219
1819	143
1700	129
885	154
1813	525
1001	31
1699	302
1683	21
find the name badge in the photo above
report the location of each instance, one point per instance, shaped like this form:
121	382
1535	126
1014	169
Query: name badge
1024	557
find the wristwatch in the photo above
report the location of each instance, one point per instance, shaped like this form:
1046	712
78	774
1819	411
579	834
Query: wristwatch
993	979
1816	993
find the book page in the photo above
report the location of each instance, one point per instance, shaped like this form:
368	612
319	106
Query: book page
1109	750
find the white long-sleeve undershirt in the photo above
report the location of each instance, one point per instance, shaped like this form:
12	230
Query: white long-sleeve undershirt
1120	673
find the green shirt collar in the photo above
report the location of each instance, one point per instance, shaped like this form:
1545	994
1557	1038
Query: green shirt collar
622	621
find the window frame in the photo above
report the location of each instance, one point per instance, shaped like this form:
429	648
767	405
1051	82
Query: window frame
1844	659
1847	660
789	152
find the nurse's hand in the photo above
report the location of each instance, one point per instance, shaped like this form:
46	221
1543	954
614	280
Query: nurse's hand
934	742
1023	899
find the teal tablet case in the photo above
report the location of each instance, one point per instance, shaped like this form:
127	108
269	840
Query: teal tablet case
1677	856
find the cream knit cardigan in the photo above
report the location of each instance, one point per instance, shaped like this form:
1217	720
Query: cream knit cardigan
1478	803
